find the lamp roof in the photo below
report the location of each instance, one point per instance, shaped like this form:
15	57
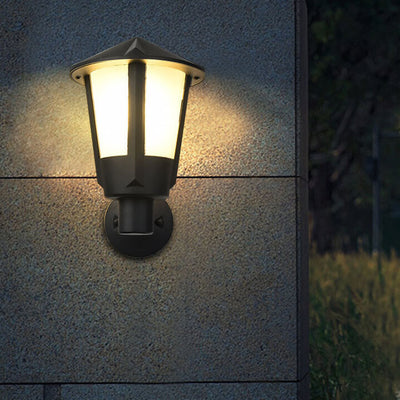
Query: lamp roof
135	49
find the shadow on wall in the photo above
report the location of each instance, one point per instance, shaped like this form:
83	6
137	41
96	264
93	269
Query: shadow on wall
46	128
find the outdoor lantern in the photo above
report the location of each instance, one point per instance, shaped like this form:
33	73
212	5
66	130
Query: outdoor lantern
137	95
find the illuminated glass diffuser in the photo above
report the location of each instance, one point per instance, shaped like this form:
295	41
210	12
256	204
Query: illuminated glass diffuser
137	95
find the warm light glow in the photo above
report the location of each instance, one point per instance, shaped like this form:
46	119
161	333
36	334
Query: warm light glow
110	101
164	93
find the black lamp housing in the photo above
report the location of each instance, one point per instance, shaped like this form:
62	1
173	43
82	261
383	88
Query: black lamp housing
139	221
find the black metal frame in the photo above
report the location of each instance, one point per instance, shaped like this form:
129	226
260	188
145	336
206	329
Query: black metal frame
182	116
136	49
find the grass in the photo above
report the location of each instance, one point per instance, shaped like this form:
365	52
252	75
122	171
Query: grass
354	326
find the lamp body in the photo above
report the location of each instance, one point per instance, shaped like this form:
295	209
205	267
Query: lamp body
137	95
136	173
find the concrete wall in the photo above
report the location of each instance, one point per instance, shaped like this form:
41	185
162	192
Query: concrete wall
221	312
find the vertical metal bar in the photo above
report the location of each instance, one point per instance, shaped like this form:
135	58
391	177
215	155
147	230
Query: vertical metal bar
137	76
188	81
93	129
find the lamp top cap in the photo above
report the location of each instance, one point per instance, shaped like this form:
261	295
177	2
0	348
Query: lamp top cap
136	49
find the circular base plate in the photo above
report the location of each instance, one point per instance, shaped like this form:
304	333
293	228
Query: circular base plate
138	245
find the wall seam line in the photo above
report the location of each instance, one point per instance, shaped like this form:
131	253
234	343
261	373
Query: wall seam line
182	177
151	383
297	236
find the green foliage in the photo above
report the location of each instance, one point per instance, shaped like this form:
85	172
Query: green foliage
354	327
354	85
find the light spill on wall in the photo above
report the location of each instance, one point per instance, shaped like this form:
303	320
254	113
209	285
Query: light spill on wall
48	126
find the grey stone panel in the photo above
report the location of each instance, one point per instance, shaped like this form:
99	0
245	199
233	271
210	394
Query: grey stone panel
21	392
240	121
52	391
193	391
217	304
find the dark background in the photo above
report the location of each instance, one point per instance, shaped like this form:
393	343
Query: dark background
354	88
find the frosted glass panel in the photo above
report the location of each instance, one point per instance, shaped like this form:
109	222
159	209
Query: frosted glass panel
164	93
110	101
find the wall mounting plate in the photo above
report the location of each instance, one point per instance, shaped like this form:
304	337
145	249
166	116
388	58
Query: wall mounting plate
138	245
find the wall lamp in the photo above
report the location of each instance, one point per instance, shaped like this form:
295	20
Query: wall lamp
137	94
